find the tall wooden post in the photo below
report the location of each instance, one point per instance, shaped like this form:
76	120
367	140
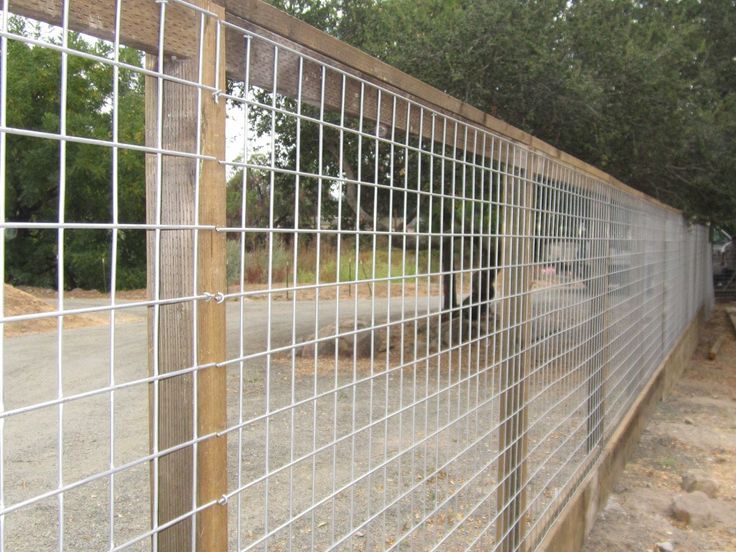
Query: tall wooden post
212	385
598	373
171	335
518	249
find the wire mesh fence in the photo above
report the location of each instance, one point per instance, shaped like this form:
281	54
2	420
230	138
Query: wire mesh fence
369	322
724	265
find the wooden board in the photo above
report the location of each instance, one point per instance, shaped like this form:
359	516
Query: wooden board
212	533
172	423
601	328
175	414
379	104
139	22
731	313
517	257
265	16
713	351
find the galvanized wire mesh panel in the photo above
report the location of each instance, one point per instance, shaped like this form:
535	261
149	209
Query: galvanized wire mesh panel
374	420
723	258
431	329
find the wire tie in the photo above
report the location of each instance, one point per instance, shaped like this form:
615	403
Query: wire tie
223	500
219	297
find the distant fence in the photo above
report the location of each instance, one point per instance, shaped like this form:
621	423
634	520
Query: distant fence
376	318
724	266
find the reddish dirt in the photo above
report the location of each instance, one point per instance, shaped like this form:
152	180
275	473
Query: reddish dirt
29	300
18	303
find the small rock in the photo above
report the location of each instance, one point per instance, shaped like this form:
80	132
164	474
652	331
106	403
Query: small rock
696	480
692	508
664	547
689	421
619	488
613	506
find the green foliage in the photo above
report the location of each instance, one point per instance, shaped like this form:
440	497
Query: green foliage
33	168
645	90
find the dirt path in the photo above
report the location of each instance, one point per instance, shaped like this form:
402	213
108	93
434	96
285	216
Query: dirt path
692	429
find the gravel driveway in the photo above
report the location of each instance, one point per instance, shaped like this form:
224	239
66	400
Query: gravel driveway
422	431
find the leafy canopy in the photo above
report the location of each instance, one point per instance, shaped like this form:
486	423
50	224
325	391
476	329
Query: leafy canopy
33	173
645	90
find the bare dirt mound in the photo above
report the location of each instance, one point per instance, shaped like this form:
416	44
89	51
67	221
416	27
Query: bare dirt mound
18	302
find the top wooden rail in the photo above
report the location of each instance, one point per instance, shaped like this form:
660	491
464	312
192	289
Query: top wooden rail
139	28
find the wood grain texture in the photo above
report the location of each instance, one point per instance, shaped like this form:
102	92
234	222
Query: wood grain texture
713	351
176	323
139	22
265	16
518	223
600	331
731	313
175	279
360	99
212	533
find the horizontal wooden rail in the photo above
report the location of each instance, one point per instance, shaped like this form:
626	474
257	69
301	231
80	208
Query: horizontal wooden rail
139	22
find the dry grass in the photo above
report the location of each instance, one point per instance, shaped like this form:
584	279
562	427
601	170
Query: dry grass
321	257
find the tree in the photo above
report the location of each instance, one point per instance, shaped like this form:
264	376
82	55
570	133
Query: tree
32	171
641	88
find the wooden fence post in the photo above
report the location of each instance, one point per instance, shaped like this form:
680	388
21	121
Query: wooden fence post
174	177
518	255
212	531
599	371
171	337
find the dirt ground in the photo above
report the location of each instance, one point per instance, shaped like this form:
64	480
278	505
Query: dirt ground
21	301
693	428
422	431
416	438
